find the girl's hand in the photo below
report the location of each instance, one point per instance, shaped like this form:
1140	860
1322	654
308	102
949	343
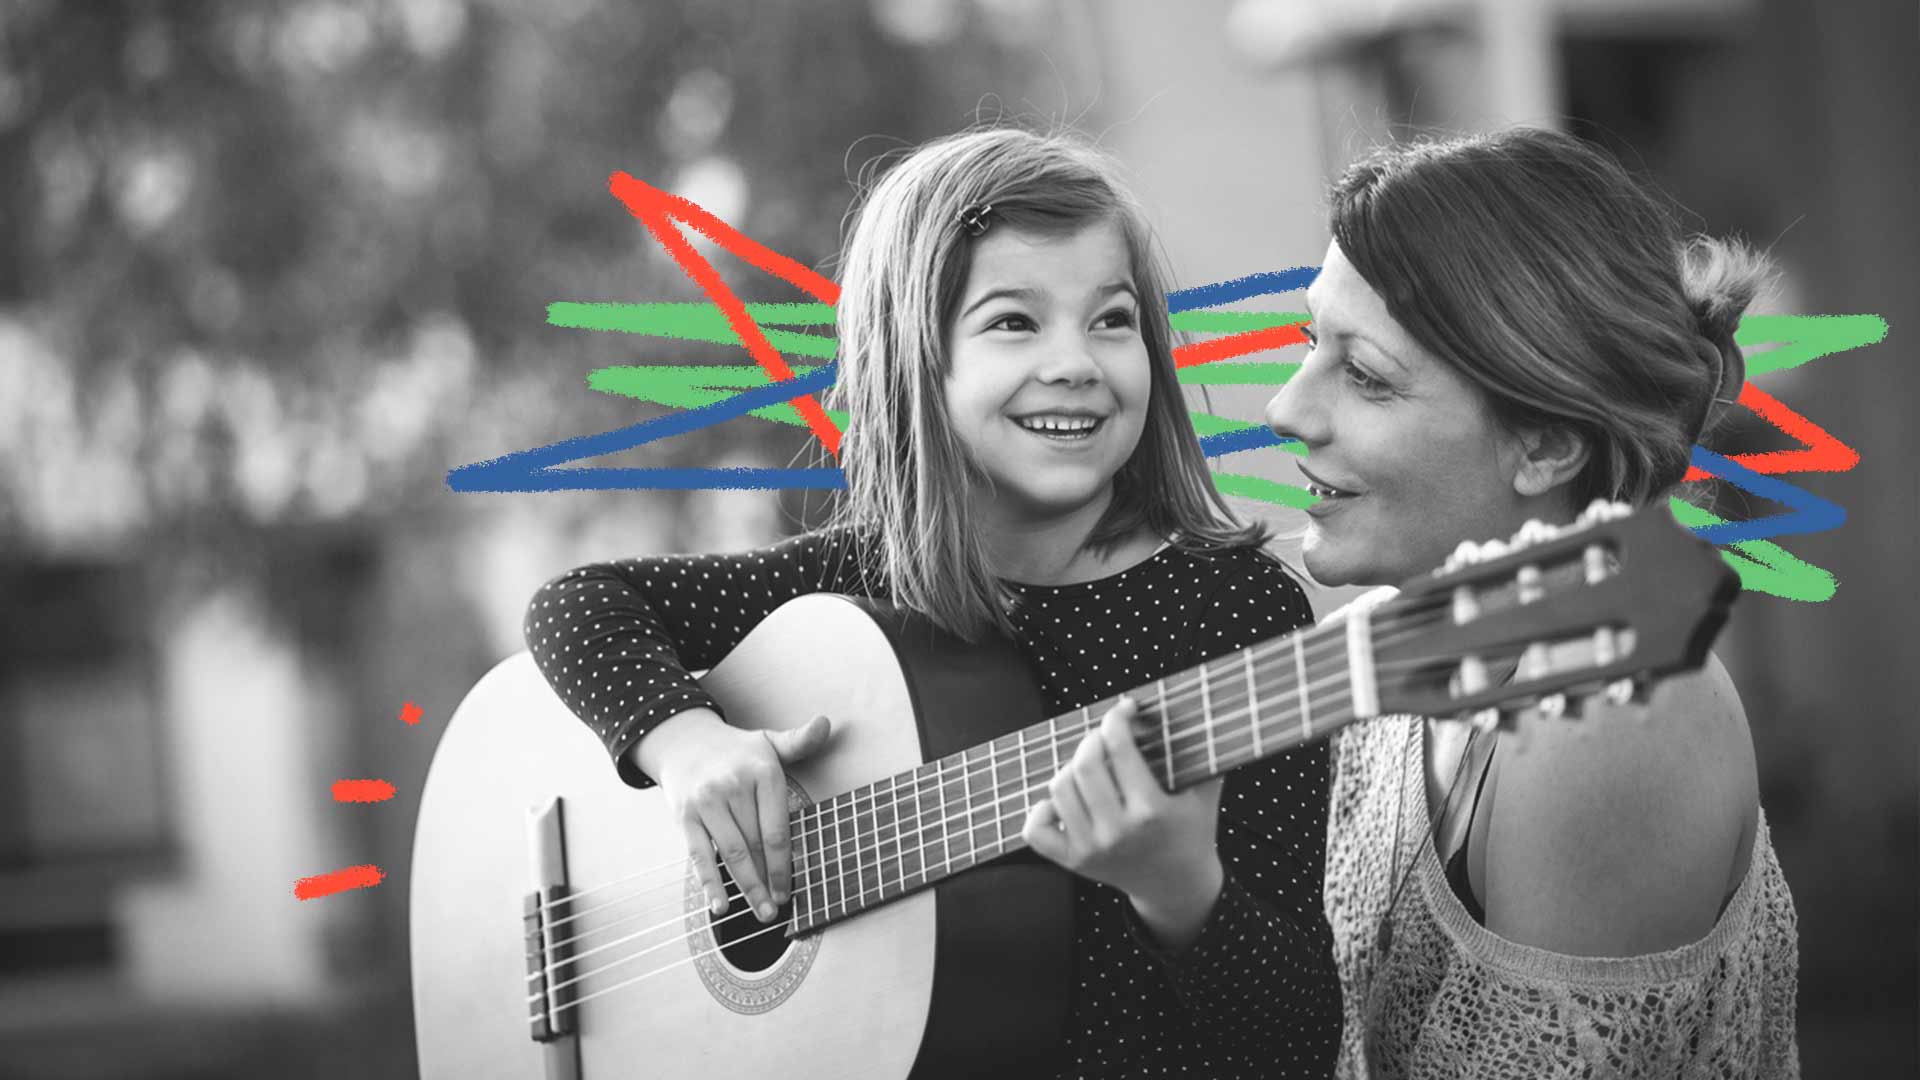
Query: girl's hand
728	790
1108	819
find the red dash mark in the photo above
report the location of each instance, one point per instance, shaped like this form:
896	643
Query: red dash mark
659	210
362	791
365	876
1223	348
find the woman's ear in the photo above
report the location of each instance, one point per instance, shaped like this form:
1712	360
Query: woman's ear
1551	456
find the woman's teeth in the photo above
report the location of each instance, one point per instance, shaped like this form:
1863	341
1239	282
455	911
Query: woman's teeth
1060	427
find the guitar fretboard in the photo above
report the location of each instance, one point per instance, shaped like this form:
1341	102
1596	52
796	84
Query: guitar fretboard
883	840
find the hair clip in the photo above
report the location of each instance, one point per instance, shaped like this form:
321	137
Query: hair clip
974	218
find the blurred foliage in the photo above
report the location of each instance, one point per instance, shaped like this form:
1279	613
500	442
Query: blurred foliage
274	263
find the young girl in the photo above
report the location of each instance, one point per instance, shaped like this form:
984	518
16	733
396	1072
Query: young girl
1018	461
1506	328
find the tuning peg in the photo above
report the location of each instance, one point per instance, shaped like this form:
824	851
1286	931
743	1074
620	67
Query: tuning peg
1604	510
1553	706
1534	532
1493	549
1484	719
1621	692
1465	554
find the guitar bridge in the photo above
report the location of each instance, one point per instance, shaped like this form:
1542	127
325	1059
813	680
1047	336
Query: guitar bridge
545	919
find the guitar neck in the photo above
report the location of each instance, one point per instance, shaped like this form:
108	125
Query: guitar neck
884	840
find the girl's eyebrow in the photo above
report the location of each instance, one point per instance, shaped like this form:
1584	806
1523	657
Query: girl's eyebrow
1033	295
1021	292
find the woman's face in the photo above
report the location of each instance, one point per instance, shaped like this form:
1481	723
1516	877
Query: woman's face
1404	453
1049	378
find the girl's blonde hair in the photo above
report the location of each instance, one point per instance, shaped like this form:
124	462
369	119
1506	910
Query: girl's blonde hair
902	270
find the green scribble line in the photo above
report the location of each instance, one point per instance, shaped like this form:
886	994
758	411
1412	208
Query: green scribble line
1805	337
701	322
1763	566
1263	490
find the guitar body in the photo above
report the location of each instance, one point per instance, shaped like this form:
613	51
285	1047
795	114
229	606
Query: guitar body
961	979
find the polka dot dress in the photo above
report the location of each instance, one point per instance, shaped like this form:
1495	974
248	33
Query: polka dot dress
1256	995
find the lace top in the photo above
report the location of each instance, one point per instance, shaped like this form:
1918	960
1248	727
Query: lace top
1449	998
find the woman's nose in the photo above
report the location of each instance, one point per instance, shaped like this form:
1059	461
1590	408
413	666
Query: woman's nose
1293	412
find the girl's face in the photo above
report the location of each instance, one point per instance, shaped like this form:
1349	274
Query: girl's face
1049	378
1404	452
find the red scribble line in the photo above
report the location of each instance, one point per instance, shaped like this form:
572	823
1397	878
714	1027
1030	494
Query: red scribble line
410	713
1232	345
364	876
1822	452
658	209
362	791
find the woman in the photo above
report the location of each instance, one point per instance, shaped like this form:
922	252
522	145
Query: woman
1507	328
1018	461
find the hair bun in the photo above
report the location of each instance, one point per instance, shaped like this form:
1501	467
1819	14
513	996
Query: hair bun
1720	279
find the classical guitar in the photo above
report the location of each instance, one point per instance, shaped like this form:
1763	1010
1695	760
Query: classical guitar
557	931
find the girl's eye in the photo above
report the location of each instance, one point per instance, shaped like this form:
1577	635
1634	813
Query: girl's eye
1011	322
1365	381
1313	339
1117	319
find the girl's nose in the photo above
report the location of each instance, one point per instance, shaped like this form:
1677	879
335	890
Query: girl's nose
1070	361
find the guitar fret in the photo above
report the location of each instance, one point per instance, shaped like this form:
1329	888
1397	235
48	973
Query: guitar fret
1206	716
918	851
832	869
1300	685
1253	702
1166	732
890	825
946	837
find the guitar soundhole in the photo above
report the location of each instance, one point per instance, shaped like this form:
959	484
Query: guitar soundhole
749	944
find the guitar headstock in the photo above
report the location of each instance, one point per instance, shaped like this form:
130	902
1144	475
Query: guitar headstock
1613	602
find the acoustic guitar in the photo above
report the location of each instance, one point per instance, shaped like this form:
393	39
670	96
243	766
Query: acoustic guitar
557	930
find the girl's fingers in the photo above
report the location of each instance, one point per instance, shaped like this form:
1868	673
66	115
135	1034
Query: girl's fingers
775	835
700	853
1070	807
1093	776
738	855
1042	832
1131	773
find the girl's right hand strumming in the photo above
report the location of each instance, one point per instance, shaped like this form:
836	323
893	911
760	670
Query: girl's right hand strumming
728	790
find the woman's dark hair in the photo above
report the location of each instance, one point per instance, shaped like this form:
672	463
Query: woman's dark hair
1536	266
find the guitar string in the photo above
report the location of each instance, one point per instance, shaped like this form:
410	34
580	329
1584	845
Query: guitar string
551	969
1020	789
1184	694
915	828
991	762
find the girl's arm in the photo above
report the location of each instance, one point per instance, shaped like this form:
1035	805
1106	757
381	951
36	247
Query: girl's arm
616	640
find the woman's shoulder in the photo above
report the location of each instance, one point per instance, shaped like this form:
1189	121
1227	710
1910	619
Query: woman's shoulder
1623	830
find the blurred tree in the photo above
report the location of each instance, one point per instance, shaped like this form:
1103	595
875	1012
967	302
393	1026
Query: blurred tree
285	262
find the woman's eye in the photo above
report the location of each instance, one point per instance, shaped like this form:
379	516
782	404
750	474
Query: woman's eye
1011	322
1313	339
1365	381
1117	319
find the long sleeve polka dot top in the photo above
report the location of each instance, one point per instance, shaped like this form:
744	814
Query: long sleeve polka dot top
1256	994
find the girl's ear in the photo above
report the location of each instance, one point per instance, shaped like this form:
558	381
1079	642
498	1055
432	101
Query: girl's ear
1551	456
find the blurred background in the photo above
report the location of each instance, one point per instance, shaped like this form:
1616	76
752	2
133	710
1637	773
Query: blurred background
269	269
